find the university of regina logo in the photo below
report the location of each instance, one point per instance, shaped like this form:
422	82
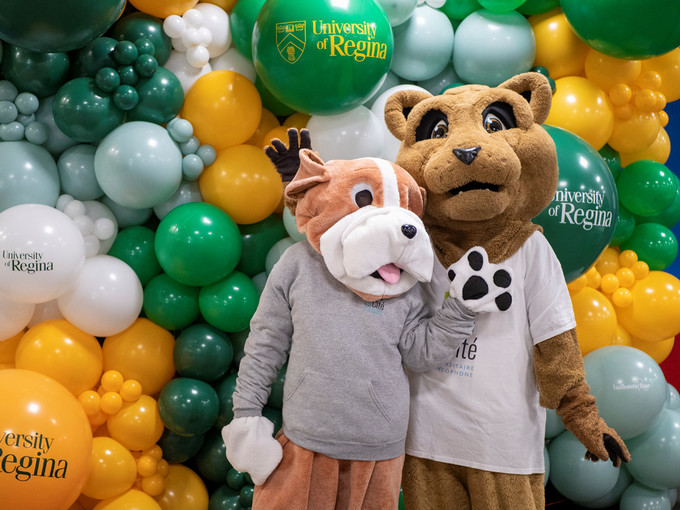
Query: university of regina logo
290	40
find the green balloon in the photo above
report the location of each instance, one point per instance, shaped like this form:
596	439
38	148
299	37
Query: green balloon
625	29
197	243
187	406
241	22
179	449
646	187
160	98
500	5
211	460
275	399
238	342
44	25
34	71
612	158
169	303
82	112
246	496
224	498
230	303
257	239
203	352
270	102
135	246
625	224
531	7
653	243
225	394
584	209
95	56
342	51
273	415
137	25
459	9
670	216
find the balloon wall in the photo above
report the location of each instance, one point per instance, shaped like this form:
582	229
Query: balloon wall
139	218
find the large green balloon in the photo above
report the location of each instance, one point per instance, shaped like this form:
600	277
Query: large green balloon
203	352
187	406
229	304
211	460
626	29
241	22
35	71
135	246
45	25
160	97
653	243
170	304
198	244
178	449
257	239
646	187
321	56
580	221
225	389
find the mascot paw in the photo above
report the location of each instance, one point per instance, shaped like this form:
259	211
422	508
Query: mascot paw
480	285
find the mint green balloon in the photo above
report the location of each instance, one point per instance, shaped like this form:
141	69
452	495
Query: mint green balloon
613	496
638	497
76	172
322	56
28	175
492	47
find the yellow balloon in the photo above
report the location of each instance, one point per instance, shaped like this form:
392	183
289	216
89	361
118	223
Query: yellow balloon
280	132
581	107
184	490
595	319
242	182
143	352
668	67
608	261
138	425
659	150
606	71
133	499
634	133
653	314
45	443
298	120
268	121
224	108
113	470
659	350
164	8
622	337
8	349
67	354
227	5
558	48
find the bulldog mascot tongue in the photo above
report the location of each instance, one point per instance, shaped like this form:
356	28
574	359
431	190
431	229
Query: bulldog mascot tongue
345	310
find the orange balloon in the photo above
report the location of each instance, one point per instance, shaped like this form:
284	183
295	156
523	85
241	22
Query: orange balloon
659	150
635	133
184	490
242	182
45	443
653	314
67	354
164	8
143	352
8	349
583	108
224	108
595	319
133	499
558	48
113	470
659	350
138	425
668	67
268	122
606	71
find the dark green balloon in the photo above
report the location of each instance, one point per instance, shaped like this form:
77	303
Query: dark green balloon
670	216
160	98
579	222
270	102
203	352
45	25
241	22
225	393
646	187
169	303
257	239
236	479
246	496
612	158
625	29
238	342
275	399
136	25
96	55
273	415
135	246
625	224
459	9
35	71
531	7
653	243
82	112
225	498
179	449
187	406
230	303
211	460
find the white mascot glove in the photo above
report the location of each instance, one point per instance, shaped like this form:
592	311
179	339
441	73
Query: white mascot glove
480	285
251	448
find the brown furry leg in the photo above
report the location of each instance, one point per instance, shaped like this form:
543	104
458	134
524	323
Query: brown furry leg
503	491
432	485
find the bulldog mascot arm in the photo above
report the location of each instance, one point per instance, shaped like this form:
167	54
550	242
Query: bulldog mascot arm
345	310
476	434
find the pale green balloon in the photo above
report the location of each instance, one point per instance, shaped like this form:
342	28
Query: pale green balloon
637	497
127	216
291	227
493	47
275	252
554	425
28	175
76	172
398	11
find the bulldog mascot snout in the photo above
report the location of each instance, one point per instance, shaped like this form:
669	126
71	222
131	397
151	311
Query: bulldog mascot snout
344	309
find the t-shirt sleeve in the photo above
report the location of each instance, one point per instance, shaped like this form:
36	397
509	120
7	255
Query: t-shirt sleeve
549	308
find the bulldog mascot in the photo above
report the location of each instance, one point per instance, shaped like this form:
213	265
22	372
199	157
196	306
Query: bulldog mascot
344	309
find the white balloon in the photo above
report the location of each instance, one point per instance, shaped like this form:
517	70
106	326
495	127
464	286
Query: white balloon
106	298
186	73
45	312
98	212
216	20
391	144
349	135
174	26
198	56
41	252
14	317
232	60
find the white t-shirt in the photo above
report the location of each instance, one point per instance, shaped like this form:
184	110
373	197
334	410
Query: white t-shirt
481	409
